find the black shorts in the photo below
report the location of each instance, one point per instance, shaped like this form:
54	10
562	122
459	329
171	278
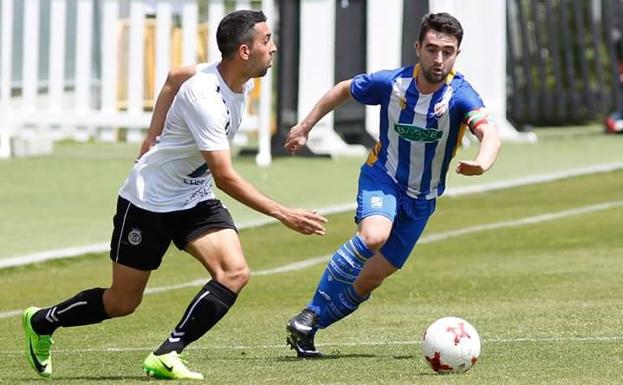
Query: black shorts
140	238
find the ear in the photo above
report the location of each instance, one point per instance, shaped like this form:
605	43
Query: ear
244	51
417	48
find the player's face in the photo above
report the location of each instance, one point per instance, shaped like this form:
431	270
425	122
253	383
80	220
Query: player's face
437	54
262	50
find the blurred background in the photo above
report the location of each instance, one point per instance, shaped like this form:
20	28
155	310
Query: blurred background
90	69
78	79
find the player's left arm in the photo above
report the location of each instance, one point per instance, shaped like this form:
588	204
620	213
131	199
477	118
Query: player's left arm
175	79
490	144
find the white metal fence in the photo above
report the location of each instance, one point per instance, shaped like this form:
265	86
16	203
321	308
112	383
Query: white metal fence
129	42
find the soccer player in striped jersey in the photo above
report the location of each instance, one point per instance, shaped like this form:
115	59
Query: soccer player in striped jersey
425	109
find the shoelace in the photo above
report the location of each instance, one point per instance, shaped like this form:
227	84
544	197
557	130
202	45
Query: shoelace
183	361
44	344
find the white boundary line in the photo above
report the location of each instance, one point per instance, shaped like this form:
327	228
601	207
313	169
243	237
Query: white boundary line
365	343
427	239
484	187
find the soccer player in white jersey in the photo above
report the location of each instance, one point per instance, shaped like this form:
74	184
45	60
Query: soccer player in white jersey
169	196
424	111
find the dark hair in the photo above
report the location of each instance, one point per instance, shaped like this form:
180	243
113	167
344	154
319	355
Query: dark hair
441	22
235	29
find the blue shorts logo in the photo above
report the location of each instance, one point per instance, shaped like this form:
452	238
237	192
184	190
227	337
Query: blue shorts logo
415	133
376	202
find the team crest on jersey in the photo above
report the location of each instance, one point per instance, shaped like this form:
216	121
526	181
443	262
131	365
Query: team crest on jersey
414	133
135	237
442	106
403	102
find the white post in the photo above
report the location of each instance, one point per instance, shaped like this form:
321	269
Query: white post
384	48
190	21
84	34
216	11
263	157
30	56
489	80
84	29
316	75
246	4
109	49
317	61
6	39
164	13
56	83
136	57
6	42
136	70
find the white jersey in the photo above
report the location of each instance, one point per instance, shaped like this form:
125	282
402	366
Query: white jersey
204	116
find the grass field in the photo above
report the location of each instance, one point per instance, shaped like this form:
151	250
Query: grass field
67	199
544	293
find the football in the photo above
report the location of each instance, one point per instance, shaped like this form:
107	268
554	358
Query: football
451	345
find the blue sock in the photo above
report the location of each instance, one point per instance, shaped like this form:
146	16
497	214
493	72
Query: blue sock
342	270
346	302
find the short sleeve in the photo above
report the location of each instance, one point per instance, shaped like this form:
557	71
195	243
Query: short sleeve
207	119
467	100
371	88
471	107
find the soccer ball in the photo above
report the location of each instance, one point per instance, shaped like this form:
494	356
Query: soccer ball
451	345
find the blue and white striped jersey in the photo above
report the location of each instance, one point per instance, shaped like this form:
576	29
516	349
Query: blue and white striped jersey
419	133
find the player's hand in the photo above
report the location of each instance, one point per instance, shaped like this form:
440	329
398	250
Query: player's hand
148	143
296	139
469	168
307	222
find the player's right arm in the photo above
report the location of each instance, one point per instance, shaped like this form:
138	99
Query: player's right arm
175	79
297	137
234	185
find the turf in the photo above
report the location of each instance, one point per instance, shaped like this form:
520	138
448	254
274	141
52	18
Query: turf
68	199
545	297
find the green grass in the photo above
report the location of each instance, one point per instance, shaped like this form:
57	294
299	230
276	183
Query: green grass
68	199
546	299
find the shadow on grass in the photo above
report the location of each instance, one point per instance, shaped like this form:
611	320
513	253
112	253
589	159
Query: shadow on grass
325	357
82	379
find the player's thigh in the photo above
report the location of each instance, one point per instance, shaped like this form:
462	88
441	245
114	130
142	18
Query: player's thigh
208	233
128	279
220	252
126	290
191	224
139	238
408	227
377	203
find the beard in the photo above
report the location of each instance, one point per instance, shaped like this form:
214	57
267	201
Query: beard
434	77
261	72
258	71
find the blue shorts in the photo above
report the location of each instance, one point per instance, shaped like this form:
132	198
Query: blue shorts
378	194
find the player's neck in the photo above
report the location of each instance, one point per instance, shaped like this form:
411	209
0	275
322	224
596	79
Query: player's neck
232	76
424	86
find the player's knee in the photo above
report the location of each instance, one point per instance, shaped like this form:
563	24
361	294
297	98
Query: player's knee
122	307
374	240
119	303
236	278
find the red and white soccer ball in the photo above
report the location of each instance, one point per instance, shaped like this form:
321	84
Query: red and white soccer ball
451	345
